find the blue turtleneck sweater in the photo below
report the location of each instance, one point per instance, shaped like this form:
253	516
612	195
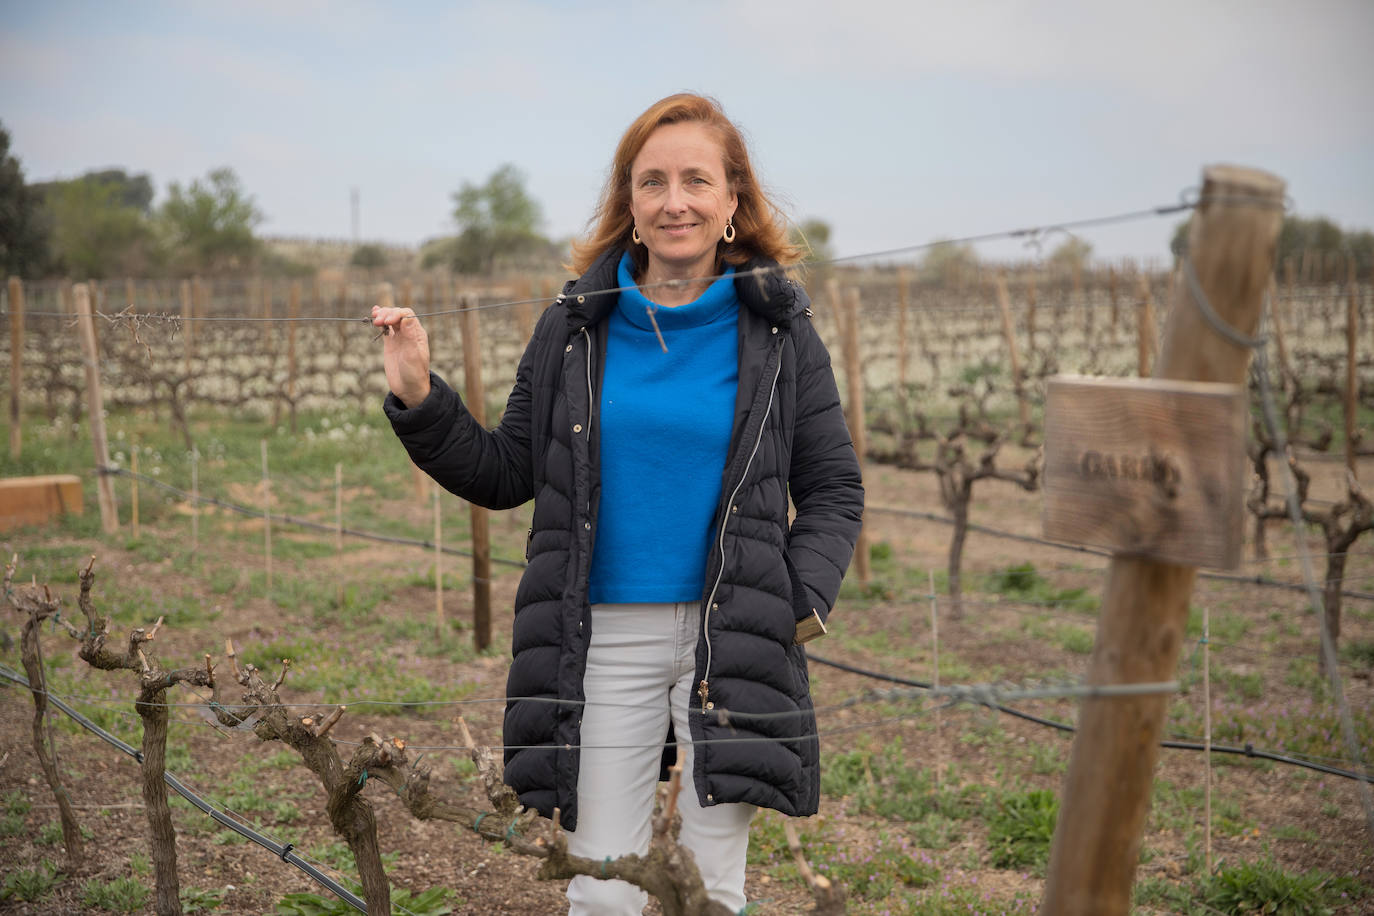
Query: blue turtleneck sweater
665	434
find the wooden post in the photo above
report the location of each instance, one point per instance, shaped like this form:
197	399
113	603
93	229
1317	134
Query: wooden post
903	307
266	517
95	404
265	291
1145	607
481	519
133	489
1352	332
1207	733
195	503
1018	380
1145	327
854	410
1111	293
293	318
935	678
438	569
1030	310
187	313
16	365
338	533
198	306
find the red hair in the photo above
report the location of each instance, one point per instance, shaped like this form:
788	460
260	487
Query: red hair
759	223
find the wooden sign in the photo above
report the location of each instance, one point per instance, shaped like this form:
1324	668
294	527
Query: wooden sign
1146	467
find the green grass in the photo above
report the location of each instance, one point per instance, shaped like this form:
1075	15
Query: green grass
1264	887
359	678
30	884
1021	828
119	895
871	870
885	782
1022	582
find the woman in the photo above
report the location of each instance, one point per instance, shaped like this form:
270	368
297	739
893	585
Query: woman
660	431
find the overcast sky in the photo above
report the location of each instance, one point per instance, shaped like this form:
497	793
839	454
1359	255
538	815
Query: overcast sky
897	122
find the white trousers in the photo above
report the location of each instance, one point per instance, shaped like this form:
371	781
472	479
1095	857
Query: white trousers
640	668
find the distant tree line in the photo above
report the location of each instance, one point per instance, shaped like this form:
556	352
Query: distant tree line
103	224
1326	246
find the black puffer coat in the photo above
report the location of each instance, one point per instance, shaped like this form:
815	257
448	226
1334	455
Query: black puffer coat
762	575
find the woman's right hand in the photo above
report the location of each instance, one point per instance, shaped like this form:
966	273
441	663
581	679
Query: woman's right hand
405	353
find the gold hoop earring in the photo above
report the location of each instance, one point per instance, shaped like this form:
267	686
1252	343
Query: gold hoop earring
729	234
634	236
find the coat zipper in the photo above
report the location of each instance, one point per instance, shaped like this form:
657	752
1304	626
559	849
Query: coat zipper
588	338
704	689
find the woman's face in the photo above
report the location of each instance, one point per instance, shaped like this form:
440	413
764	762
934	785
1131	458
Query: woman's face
680	200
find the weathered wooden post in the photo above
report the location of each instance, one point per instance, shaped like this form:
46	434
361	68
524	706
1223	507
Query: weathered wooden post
1145	327
95	403
1140	633
266	518
1352	390
1111	294
293	318
903	308
475	399
16	365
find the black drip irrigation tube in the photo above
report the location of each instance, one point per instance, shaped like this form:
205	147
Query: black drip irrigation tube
1249	750
280	850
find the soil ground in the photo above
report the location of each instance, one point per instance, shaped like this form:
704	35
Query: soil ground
1293	817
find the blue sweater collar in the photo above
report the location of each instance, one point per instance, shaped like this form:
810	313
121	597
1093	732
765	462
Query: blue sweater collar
718	299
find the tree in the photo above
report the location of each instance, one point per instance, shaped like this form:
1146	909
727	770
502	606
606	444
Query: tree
813	237
1300	235
368	257
1072	252
948	262
496	221
94	232
209	225
23	232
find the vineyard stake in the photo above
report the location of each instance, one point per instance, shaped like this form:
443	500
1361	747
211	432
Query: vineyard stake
438	569
200	306
1111	292
133	489
935	679
1145	327
266	516
903	306
16	364
1106	793
1207	729
293	315
95	403
481	518
195	503
186	312
338	531
1352	331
